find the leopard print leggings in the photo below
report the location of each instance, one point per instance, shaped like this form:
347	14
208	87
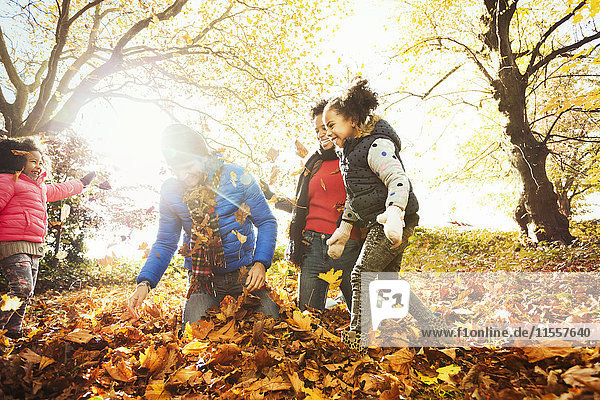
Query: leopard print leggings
378	256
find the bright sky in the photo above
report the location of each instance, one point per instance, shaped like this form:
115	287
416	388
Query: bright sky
126	135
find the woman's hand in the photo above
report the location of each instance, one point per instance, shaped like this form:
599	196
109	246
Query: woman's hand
338	240
393	224
136	300
257	276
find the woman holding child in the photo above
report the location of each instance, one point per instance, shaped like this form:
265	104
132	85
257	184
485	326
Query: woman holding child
320	196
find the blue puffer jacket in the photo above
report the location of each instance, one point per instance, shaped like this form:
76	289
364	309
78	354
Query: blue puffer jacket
236	188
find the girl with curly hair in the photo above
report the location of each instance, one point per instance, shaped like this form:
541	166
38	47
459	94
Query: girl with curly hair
23	221
380	196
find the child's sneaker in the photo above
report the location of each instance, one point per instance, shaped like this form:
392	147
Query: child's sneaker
15	335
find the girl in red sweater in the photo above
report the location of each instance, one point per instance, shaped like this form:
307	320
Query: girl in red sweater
23	221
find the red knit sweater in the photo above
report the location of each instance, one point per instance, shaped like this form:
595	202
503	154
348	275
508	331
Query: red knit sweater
326	198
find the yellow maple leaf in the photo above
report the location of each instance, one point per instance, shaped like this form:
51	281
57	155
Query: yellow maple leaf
156	391
119	371
242	213
314	394
428	380
10	303
333	277
301	320
445	372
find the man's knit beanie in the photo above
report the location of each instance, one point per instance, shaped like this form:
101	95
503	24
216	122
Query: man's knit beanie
181	144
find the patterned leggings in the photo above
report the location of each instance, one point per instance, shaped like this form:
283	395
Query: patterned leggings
377	256
20	270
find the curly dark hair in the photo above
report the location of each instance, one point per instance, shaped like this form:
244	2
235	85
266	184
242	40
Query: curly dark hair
11	162
318	108
356	103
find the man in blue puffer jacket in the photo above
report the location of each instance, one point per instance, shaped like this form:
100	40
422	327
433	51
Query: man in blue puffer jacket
239	206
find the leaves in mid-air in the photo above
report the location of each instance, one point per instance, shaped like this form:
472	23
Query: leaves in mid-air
239	236
242	213
104	185
10	303
300	149
333	277
272	154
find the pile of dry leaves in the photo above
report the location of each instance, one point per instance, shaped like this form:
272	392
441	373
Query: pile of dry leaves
81	346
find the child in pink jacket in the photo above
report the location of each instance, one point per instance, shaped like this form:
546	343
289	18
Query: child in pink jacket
23	221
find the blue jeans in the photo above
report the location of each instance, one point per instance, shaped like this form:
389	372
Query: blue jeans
312	290
20	271
227	284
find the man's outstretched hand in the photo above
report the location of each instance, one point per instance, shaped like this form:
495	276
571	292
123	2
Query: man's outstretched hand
136	300
257	276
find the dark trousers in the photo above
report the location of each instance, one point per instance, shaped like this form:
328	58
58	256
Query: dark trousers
227	284
312	290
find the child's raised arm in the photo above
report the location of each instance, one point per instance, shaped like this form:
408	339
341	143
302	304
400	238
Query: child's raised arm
8	189
59	191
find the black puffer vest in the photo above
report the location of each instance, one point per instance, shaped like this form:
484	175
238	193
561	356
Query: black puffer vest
367	194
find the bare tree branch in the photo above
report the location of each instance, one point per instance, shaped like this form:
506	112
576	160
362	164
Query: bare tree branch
11	71
549	133
592	139
453	70
13	113
472	55
428	92
212	24
470	164
62	31
552	55
37	80
83	10
4	106
536	50
115	63
63	85
169	12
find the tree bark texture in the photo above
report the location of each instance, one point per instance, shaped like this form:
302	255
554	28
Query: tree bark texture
538	203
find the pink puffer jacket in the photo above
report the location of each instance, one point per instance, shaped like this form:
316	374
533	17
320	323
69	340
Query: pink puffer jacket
23	213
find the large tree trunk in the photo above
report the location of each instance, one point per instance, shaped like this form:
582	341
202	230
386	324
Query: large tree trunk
564	199
538	200
538	204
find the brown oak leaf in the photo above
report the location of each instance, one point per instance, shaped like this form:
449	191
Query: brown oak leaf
242	213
